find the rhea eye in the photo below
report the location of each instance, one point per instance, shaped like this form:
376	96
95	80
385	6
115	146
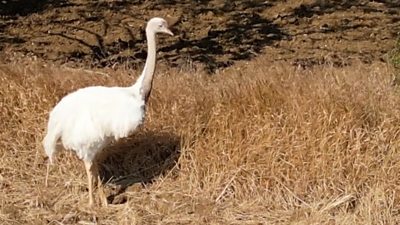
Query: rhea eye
160	26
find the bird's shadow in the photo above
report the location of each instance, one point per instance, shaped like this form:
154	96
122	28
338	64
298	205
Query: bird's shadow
138	159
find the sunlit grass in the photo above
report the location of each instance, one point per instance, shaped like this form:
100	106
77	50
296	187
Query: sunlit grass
255	144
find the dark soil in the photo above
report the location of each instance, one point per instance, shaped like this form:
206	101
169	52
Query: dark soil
212	34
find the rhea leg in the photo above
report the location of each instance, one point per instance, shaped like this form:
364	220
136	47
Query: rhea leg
93	177
47	175
88	167
97	179
50	161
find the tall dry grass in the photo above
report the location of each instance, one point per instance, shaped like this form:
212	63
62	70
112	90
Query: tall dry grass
255	144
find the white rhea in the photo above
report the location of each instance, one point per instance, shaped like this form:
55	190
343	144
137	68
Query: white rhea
89	118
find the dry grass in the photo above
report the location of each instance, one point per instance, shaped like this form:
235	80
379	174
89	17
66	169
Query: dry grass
252	145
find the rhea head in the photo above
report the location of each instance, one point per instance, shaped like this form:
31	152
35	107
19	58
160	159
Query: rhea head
158	25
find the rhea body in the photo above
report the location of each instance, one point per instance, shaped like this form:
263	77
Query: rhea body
88	119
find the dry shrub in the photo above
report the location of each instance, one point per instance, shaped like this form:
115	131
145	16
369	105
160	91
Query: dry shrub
255	144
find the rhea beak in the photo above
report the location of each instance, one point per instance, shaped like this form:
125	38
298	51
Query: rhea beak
168	31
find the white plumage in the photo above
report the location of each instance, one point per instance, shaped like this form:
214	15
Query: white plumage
88	119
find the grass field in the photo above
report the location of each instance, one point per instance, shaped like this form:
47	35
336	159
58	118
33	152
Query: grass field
255	144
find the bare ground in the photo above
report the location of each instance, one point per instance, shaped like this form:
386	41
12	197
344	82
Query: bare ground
211	34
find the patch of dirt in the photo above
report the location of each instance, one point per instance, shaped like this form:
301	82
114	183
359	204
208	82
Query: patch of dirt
212	34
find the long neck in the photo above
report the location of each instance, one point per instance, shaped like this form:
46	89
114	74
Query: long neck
145	80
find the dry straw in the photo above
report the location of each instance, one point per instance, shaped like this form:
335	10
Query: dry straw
254	144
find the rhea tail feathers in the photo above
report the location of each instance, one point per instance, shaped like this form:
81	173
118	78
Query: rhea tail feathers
50	142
